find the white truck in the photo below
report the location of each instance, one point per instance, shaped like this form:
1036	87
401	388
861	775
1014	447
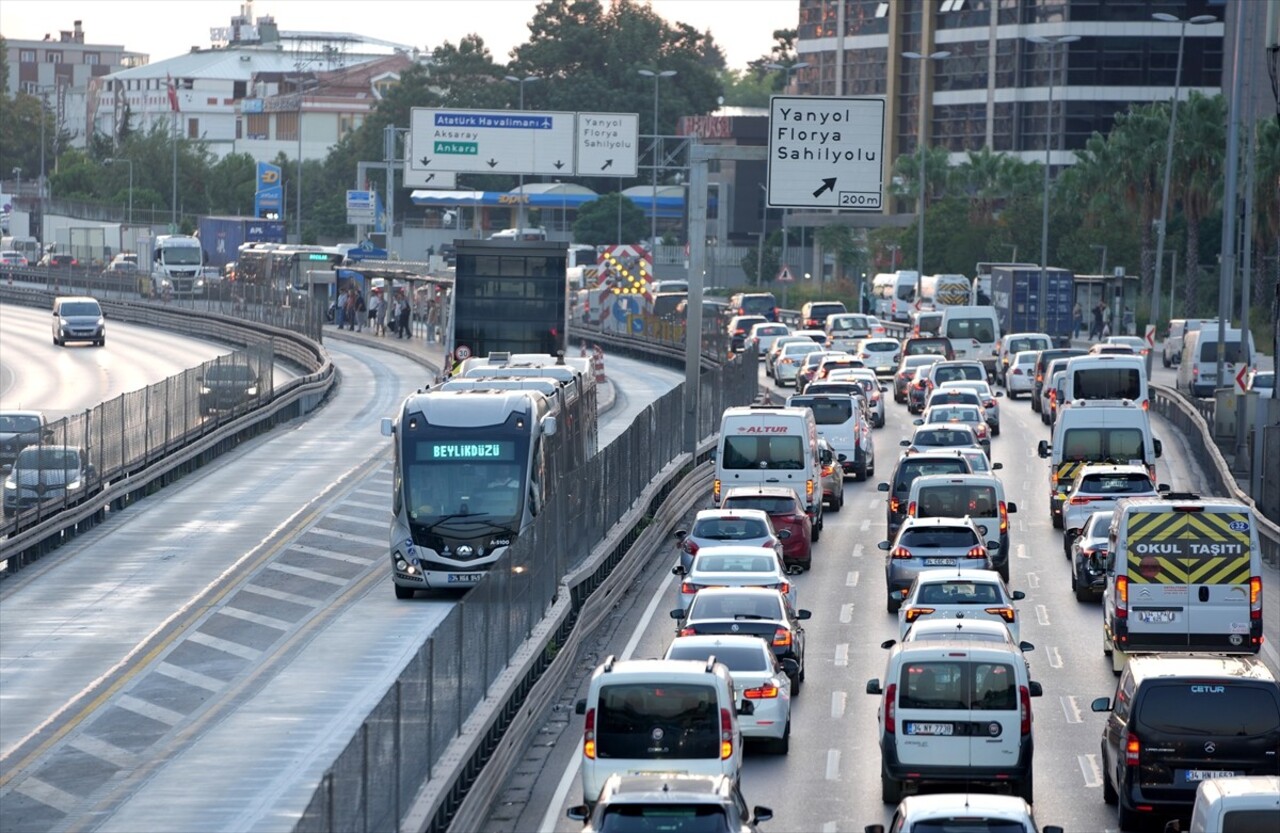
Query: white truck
176	267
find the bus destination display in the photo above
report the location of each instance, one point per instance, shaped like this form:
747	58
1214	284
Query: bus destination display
441	451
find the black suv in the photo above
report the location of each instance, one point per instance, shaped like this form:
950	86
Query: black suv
1178	719
1042	363
754	303
226	386
913	465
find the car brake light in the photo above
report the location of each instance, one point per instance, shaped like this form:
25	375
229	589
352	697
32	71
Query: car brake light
808	490
976	552
1017	371
782	638
1005	613
1004	517
900	552
911	509
890	708
688	632
915	613
688	588
589	735
1122	597
784	588
715	490
726	735
1255	597
827	471
764	692
1024	702
1132	748
690	546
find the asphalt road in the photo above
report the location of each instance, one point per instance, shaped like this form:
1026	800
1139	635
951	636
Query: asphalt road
829	781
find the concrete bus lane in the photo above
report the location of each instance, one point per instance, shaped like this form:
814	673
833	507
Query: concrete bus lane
829	781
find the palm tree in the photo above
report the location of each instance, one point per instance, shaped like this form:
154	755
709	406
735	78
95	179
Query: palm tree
1197	172
1138	139
1267	198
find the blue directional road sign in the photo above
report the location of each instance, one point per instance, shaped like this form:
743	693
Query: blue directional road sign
492	142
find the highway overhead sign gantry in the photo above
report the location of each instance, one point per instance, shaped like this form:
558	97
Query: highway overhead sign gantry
608	144
414	178
826	152
492	141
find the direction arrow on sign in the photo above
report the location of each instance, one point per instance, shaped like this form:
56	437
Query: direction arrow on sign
1241	384
424	176
497	142
1150	335
826	152
608	144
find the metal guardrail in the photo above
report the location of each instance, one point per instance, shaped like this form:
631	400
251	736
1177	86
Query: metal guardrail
27	537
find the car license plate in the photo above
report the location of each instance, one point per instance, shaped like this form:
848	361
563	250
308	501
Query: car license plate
938	729
1157	617
465	578
1206	774
939	562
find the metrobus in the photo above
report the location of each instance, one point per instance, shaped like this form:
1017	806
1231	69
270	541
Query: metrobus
474	468
281	267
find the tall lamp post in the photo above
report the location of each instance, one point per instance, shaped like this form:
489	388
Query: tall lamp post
653	199
786	212
520	205
1052	41
920	151
1198	20
129	162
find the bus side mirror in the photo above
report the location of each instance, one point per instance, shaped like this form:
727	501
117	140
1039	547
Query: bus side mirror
388	427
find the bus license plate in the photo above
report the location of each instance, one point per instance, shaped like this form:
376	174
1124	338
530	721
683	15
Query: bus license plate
1157	617
940	729
939	562
465	578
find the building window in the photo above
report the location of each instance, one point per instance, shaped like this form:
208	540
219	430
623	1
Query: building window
346	123
52	57
258	126
239	128
92	59
193	128
27	56
286	127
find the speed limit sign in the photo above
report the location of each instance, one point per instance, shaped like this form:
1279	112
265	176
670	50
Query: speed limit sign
462	352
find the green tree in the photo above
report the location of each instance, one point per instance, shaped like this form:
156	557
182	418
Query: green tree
20	134
1198	168
598	221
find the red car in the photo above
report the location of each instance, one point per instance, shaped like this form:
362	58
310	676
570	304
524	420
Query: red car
785	510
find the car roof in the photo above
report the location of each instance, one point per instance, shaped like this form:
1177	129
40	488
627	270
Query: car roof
758	514
918	808
666	787
712	592
945	576
1148	666
957	628
733	550
1109	468
982	478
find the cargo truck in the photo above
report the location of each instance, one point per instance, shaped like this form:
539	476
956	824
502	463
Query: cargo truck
1015	292
177	264
221	237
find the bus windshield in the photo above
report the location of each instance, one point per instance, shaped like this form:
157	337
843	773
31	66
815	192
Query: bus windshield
456	473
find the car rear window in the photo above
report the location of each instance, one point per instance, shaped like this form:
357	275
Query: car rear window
956	501
881	347
1017	345
821	311
932	537
978	329
735	606
909	470
959	414
1107	383
756	452
927	347
629	713
734	657
836	411
758	304
943	437
956	373
730	529
712	563
967	824
772	504
986	686
1233	349
1102	484
1209	709
1103	444
688	818
959	593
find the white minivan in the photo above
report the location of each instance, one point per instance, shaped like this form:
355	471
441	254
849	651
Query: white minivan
1198	373
1106	378
659	715
973	332
770	445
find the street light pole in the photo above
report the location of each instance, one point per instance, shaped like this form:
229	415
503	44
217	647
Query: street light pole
653	198
920	151
520	204
129	162
1168	151
1051	41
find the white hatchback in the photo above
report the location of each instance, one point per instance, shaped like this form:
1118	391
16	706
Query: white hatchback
879	354
733	566
960	594
1020	376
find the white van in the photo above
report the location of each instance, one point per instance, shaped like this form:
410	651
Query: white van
1013	343
955	710
843	423
1117	433
1198	372
973	332
770	445
894	294
1234	805
978	497
1106	378
659	715
1171	349
1185	575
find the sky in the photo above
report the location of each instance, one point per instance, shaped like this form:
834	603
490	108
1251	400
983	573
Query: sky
166	28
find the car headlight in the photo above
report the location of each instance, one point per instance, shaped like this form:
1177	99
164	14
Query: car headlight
75	485
10	485
101	321
199	282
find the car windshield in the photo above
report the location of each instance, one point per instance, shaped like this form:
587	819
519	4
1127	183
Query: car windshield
730	529
933	537
49	459
735	605
956	592
79	308
19	423
772	504
229	373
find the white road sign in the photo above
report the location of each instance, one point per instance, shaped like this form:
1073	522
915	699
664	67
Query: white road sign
491	141
362	207
414	178
826	152
608	143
